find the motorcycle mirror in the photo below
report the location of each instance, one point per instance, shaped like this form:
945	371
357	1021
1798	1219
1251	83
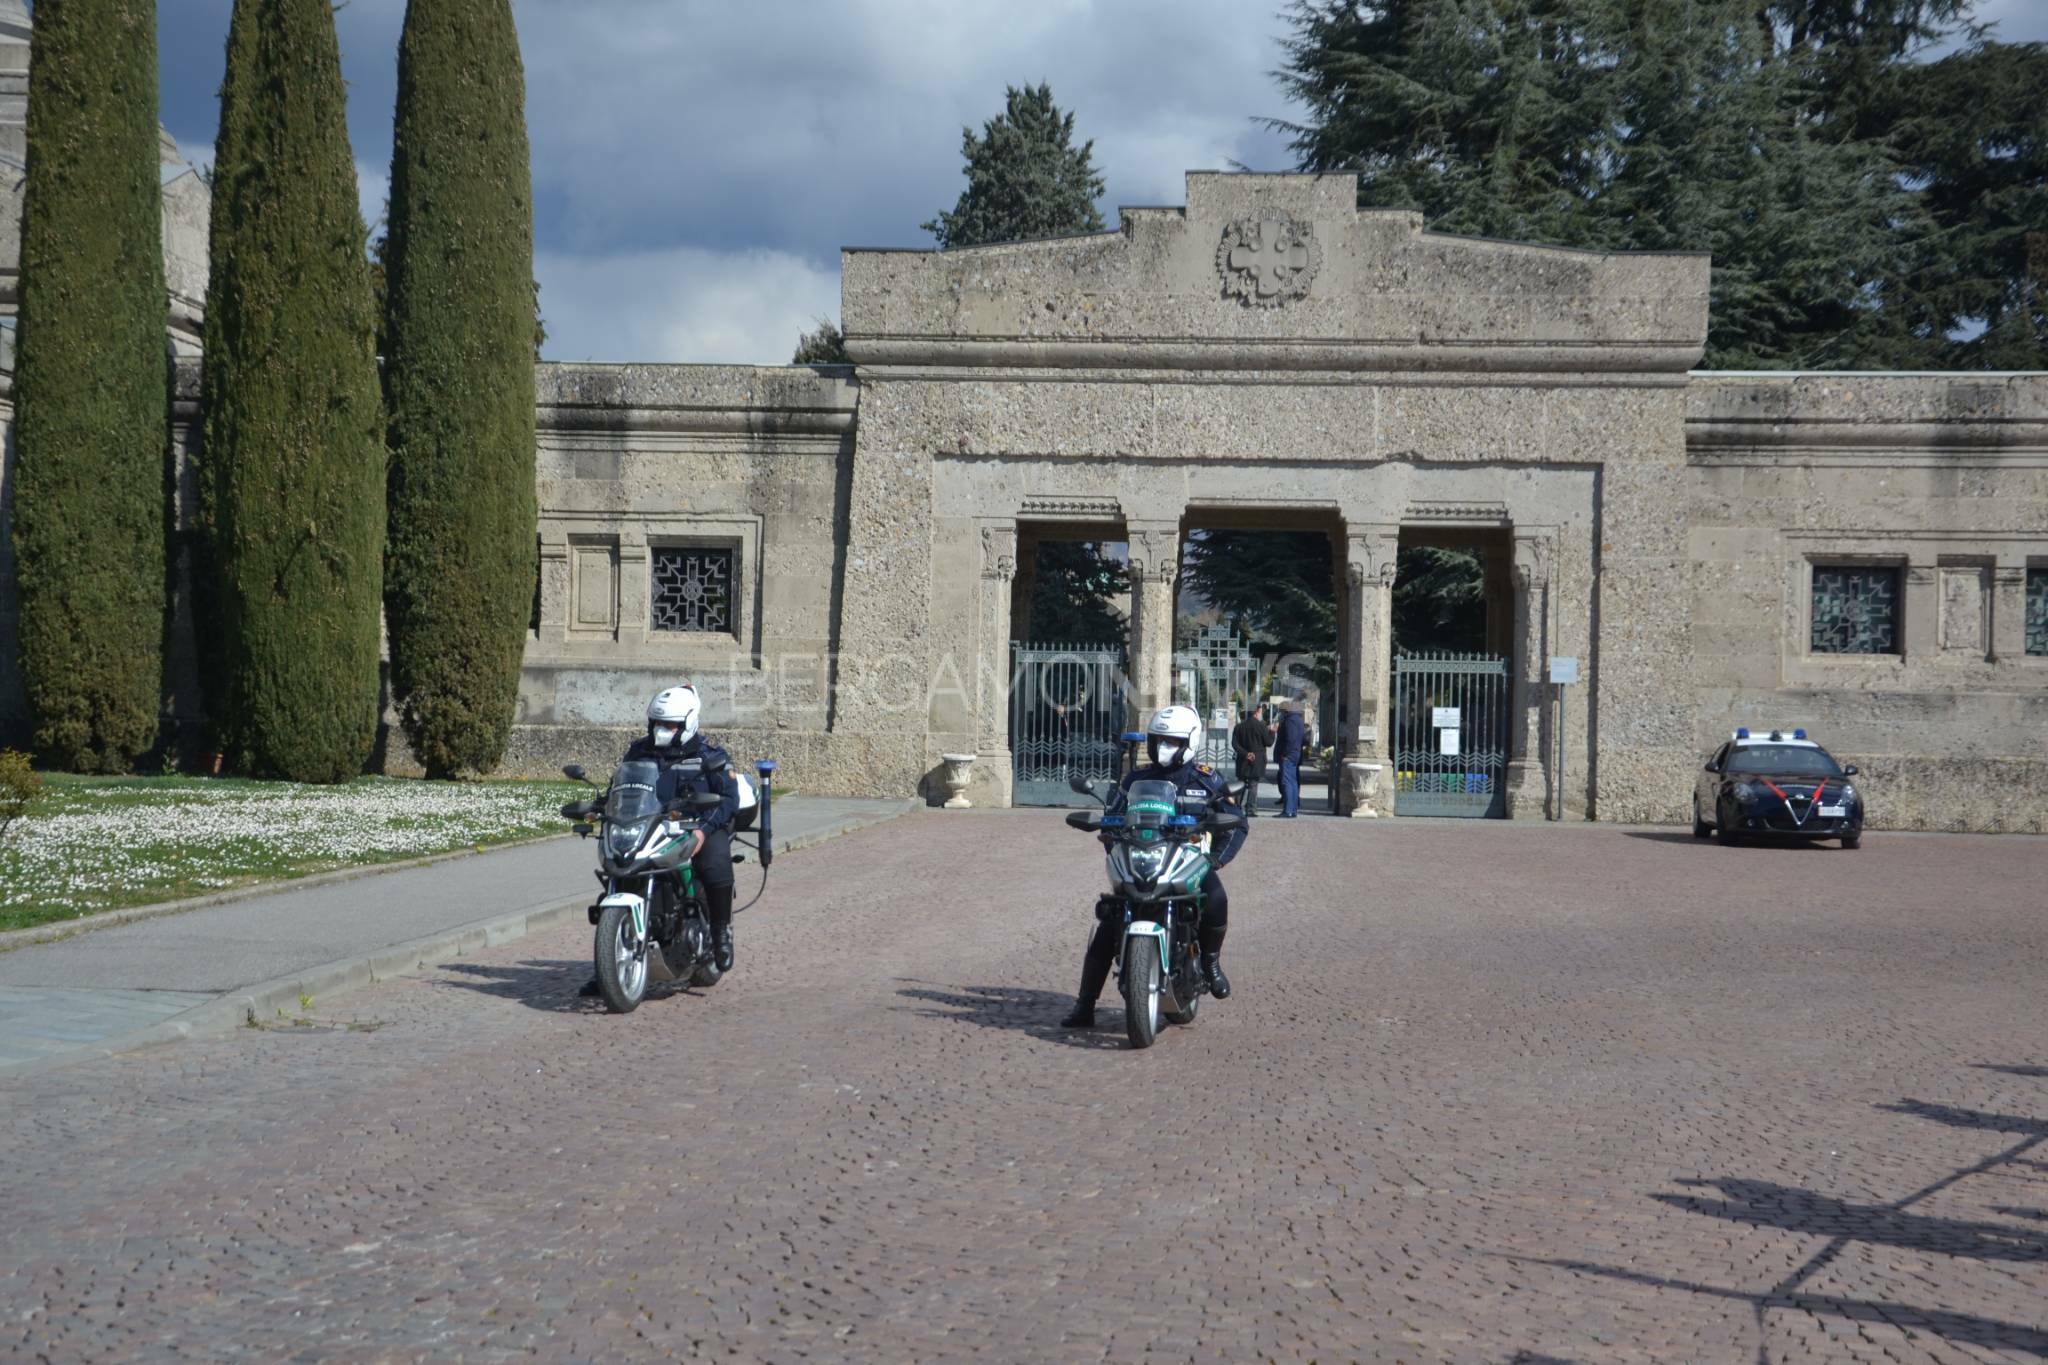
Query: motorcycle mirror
585	830
1080	782
1225	819
705	801
1085	820
1235	791
574	772
574	810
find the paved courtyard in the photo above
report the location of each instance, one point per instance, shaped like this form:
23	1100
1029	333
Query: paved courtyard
1486	1093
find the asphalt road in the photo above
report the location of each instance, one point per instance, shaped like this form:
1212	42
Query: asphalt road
1485	1092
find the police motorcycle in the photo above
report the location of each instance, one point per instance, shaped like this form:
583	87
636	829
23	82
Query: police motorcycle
651	900
1157	859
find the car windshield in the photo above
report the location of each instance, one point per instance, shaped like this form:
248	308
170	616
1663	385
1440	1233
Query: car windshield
1151	804
633	796
1784	760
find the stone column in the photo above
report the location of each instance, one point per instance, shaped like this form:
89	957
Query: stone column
1370	561
1528	763
2009	612
1155	570
1921	609
990	778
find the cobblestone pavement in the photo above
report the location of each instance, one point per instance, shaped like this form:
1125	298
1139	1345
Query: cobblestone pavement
1485	1093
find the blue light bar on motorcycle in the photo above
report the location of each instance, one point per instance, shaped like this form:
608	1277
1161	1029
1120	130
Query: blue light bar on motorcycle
1112	822
1134	737
764	766
1182	821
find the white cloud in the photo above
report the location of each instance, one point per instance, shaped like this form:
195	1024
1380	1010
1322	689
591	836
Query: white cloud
682	304
373	185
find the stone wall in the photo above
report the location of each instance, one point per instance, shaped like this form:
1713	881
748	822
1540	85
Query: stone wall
1941	482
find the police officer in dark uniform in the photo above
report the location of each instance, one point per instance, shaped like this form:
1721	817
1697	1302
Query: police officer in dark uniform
1171	738
692	765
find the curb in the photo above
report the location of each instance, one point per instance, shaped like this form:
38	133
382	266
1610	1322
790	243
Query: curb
58	930
248	1005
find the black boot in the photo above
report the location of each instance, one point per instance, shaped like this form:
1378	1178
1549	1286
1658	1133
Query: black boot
718	909
1095	965
1212	967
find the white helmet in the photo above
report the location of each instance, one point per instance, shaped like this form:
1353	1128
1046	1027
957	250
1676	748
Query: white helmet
672	716
1172	735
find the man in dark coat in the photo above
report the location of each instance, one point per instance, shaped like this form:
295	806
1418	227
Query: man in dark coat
1249	741
1287	749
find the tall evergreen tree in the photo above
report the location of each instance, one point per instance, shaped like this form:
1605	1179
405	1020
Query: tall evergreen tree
293	462
459	571
1074	587
1025	177
1862	209
90	387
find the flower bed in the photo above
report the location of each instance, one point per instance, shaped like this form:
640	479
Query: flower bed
103	843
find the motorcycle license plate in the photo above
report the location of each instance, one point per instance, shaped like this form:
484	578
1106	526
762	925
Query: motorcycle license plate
1834	812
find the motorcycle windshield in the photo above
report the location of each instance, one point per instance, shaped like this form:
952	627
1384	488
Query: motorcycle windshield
633	796
1149	805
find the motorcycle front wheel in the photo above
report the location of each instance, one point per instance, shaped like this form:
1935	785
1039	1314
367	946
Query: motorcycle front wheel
1141	990
621	969
1189	989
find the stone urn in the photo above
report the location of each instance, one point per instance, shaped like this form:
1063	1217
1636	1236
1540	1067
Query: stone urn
1362	778
958	767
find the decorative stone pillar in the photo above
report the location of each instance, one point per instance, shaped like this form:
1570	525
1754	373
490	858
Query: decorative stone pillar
1370	563
1155	571
1528	765
993	667
2009	612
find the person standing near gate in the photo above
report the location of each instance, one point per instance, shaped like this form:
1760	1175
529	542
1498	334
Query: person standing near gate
1250	739
1287	747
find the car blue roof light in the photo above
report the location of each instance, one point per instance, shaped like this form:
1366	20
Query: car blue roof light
1742	732
1799	734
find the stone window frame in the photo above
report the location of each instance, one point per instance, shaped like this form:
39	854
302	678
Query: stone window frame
1897	568
575	540
735	571
2033	567
1920	553
741	535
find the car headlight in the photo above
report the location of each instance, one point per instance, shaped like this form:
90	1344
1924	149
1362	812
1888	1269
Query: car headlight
1848	792
1745	793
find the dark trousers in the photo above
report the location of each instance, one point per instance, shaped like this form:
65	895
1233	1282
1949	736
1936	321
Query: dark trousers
1107	938
1290	786
1251	777
713	866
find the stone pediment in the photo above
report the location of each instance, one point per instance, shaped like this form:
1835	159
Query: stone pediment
1275	272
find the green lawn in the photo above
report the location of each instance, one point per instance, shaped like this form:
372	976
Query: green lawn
104	843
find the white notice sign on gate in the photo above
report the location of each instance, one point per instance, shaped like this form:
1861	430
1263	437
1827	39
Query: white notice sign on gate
1444	718
1447	743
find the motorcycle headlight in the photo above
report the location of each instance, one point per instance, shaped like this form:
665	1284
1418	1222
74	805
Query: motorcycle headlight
1148	863
621	840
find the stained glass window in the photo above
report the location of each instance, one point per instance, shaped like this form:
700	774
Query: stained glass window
2037	611
692	586
1855	609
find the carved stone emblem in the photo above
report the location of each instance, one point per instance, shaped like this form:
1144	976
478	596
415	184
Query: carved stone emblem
1267	261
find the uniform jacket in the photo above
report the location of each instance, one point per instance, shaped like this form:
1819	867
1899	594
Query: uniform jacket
1201	788
698	766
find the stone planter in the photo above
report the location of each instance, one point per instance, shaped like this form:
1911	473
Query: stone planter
1362	781
956	779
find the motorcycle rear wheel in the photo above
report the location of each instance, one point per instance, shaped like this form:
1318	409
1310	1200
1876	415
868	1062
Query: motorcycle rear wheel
621	974
1141	990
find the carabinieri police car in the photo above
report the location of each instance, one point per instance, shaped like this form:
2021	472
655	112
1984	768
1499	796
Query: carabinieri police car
1776	784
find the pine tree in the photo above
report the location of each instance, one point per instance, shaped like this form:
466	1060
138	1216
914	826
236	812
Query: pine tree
459	572
1025	178
90	387
1074	587
823	345
293	462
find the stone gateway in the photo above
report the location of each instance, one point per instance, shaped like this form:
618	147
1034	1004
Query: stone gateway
839	557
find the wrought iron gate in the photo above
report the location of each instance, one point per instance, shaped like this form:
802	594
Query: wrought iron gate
1218	675
1450	735
1067	708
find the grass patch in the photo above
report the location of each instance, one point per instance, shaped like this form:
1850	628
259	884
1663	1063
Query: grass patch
107	843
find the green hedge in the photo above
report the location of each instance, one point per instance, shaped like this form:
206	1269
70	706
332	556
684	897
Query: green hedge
460	563
91	388
293	464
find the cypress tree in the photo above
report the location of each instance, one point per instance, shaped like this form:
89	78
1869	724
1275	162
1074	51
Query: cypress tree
90	387
293	463
459	570
1025	177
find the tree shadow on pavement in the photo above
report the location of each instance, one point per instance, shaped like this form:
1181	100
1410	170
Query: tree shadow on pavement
2037	1072
1017	1009
1760	1203
549	985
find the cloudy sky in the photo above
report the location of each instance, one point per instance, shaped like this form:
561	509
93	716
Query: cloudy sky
697	164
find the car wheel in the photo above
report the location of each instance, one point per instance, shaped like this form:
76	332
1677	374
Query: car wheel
1852	840
1724	830
1700	828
